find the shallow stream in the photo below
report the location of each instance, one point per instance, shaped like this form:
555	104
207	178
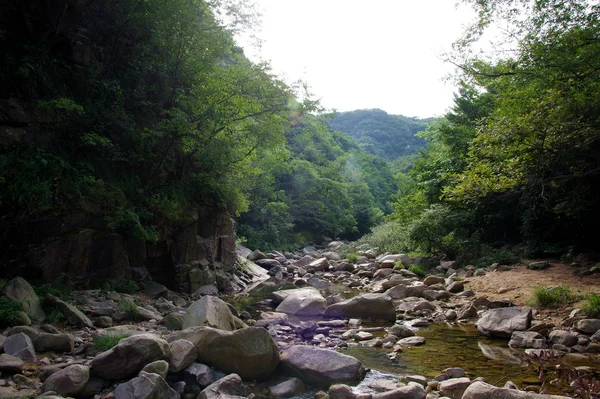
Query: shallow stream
448	345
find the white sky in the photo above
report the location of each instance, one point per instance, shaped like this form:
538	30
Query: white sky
358	54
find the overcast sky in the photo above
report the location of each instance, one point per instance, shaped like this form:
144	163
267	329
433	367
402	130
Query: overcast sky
358	54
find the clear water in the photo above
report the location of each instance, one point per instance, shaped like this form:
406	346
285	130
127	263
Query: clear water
448	345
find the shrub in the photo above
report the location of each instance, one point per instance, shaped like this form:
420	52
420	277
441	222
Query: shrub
387	237
592	307
418	270
126	287
352	257
105	342
553	297
8	312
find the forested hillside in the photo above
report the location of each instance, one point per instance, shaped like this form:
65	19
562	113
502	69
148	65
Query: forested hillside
517	159
386	136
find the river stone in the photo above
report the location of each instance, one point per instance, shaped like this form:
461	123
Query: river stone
268	264
454	387
69	381
183	354
411	391
374	306
321	367
20	345
433	295
456	287
397	292
73	315
502	322
431	280
228	387
341	391
209	311
302	302
174	321
200	374
145	386
401	331
416	306
129	356
20	291
287	388
527	339
159	367
11	364
412	341
563	337
481	390
321	264
45	342
250	352
588	326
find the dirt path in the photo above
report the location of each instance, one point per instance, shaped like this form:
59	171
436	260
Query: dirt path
518	285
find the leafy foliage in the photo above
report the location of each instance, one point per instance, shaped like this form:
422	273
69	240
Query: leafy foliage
8	312
386	136
592	307
553	297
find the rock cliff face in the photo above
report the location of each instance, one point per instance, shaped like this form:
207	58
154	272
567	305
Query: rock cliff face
78	247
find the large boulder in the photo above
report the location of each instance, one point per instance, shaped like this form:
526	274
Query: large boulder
250	352
20	291
145	386
302	302
183	354
588	326
20	345
321	367
73	315
62	342
129	356
502	322
412	391
209	311
373	306
527	339
481	390
69	381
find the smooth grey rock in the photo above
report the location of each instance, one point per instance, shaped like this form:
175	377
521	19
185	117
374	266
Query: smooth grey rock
588	326
321	367
209	311
74	316
62	342
412	391
20	345
412	341
401	331
502	322
20	291
227	387
341	391
154	289
159	367
129	356
563	337
200	374
527	339
287	388
174	321
11	364
183	354
373	306
145	386
397	291
454	387
431	280
481	390
69	381
250	352
456	287
416	306
302	302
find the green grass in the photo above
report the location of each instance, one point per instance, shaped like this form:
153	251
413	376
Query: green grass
418	270
352	258
8	312
553	297
130	309
592	307
105	342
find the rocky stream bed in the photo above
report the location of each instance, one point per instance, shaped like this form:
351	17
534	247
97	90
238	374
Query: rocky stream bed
309	324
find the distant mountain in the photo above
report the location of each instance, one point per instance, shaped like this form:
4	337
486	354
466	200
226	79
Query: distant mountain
381	134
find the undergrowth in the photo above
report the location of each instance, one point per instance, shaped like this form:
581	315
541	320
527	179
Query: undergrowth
592	307
553	297
105	342
8	312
